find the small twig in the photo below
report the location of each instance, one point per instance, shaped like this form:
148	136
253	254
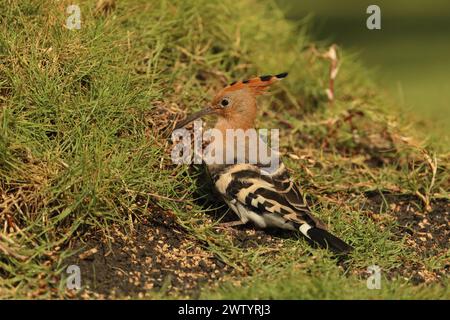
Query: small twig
334	69
425	200
433	165
331	55
88	253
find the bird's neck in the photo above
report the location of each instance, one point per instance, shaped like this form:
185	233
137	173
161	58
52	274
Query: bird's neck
228	128
223	124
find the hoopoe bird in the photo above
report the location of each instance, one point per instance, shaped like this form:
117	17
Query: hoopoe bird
268	200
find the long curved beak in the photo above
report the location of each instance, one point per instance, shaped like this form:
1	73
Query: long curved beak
194	116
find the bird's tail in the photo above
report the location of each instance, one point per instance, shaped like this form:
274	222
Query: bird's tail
325	239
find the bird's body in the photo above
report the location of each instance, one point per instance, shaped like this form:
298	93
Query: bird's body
267	198
270	200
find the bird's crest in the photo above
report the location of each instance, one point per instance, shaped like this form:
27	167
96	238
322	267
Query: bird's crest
257	85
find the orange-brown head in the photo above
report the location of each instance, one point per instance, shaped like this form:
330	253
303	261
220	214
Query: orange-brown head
235	105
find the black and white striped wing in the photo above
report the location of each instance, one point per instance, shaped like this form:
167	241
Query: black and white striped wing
274	198
272	201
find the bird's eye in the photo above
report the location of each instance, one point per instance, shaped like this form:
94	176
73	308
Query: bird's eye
224	102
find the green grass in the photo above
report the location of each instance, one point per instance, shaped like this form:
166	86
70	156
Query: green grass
409	53
82	114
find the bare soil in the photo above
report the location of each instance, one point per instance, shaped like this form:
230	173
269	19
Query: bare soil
427	233
158	256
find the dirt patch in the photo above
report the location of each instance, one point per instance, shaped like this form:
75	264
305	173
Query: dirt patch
427	233
158	256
